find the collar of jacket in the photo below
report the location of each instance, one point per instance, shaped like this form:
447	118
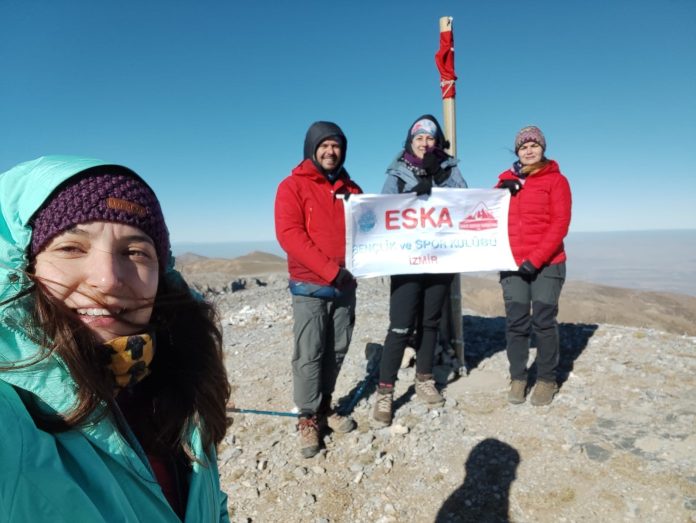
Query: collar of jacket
549	168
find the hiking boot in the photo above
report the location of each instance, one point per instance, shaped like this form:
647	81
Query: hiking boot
382	413
427	392
543	393
338	423
328	417
517	390
309	436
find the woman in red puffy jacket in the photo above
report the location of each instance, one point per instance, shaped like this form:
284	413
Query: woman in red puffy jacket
538	222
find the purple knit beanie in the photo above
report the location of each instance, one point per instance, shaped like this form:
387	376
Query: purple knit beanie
529	134
106	193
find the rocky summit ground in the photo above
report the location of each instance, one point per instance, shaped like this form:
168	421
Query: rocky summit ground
617	444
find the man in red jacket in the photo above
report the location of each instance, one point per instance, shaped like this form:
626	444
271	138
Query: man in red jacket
310	227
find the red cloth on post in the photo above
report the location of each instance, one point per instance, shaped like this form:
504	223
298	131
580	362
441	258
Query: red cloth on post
444	59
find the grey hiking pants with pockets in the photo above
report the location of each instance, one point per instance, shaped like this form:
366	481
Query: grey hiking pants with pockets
323	330
541	292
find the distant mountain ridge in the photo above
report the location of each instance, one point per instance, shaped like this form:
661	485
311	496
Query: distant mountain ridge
197	268
580	301
661	260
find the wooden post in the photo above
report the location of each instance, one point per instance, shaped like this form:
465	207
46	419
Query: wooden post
449	104
450	130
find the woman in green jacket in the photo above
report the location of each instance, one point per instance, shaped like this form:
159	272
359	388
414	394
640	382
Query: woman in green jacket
112	383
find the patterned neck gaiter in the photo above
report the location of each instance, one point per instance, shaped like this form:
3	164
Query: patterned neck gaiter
517	169
128	358
413	159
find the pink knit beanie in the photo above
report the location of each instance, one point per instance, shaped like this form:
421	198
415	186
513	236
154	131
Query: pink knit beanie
529	134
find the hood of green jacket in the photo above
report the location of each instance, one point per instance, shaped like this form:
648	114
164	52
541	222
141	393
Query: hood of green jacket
23	190
118	474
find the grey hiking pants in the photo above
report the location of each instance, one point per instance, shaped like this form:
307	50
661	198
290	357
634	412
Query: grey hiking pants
542	292
323	330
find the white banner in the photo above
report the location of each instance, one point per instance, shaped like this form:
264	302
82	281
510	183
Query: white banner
452	230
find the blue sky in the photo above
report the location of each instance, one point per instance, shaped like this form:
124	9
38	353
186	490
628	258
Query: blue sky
210	100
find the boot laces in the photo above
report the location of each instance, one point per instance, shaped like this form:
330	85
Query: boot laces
384	402
427	387
307	425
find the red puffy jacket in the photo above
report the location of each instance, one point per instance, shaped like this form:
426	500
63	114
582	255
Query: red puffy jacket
310	224
539	216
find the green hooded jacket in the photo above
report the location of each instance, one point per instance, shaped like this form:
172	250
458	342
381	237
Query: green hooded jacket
93	473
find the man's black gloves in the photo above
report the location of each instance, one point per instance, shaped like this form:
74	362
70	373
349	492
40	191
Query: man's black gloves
425	186
527	268
342	278
431	163
513	186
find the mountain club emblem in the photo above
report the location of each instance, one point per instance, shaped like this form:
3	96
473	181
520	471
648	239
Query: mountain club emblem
479	220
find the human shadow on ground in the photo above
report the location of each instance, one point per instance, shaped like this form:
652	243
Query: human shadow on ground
404	398
367	386
484	337
484	496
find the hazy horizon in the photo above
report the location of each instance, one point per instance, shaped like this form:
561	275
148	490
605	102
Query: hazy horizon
210	101
655	260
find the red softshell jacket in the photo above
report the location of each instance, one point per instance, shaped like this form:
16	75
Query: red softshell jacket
310	225
539	216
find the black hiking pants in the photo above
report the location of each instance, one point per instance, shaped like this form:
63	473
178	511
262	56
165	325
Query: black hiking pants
415	300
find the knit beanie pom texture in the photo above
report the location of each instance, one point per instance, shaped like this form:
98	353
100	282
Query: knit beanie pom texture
529	134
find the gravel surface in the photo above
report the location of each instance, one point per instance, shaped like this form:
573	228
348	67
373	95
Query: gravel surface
617	444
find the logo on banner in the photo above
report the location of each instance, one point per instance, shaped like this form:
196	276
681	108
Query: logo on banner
367	221
479	220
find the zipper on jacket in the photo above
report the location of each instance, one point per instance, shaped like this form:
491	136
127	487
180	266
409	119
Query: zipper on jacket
213	494
130	439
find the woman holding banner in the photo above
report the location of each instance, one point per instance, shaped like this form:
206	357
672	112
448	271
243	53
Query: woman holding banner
538	221
112	382
416	300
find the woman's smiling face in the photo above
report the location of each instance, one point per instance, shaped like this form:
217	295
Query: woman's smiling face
530	153
421	143
106	272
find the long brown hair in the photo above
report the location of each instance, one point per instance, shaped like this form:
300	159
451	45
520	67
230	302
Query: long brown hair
188	383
